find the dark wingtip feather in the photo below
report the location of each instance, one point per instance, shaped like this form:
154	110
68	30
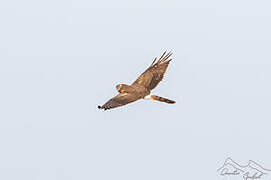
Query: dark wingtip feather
101	107
104	108
164	57
154	61
169	60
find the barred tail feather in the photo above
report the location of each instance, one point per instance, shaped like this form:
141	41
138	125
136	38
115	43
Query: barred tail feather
161	99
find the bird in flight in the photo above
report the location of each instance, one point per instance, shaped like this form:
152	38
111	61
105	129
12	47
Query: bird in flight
141	88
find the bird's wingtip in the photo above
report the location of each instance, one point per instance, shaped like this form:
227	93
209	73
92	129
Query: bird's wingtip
101	107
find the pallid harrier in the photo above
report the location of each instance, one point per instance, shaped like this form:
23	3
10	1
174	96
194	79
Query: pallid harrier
141	88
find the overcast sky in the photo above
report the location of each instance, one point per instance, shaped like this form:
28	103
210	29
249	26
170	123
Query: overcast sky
60	59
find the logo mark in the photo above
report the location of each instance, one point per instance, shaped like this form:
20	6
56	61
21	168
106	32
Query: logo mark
251	171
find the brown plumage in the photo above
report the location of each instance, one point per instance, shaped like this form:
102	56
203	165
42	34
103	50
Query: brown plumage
141	88
161	99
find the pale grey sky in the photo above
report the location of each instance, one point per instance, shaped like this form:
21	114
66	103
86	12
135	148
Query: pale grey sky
60	59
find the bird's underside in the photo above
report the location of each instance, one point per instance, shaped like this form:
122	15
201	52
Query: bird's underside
141	88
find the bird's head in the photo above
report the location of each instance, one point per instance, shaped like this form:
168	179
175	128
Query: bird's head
119	87
123	88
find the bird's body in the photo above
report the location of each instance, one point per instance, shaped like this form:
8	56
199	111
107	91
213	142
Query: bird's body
136	89
141	88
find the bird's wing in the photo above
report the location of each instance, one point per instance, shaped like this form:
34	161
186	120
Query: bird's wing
119	100
155	73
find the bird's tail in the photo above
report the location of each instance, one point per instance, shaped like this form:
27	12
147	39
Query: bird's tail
161	99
